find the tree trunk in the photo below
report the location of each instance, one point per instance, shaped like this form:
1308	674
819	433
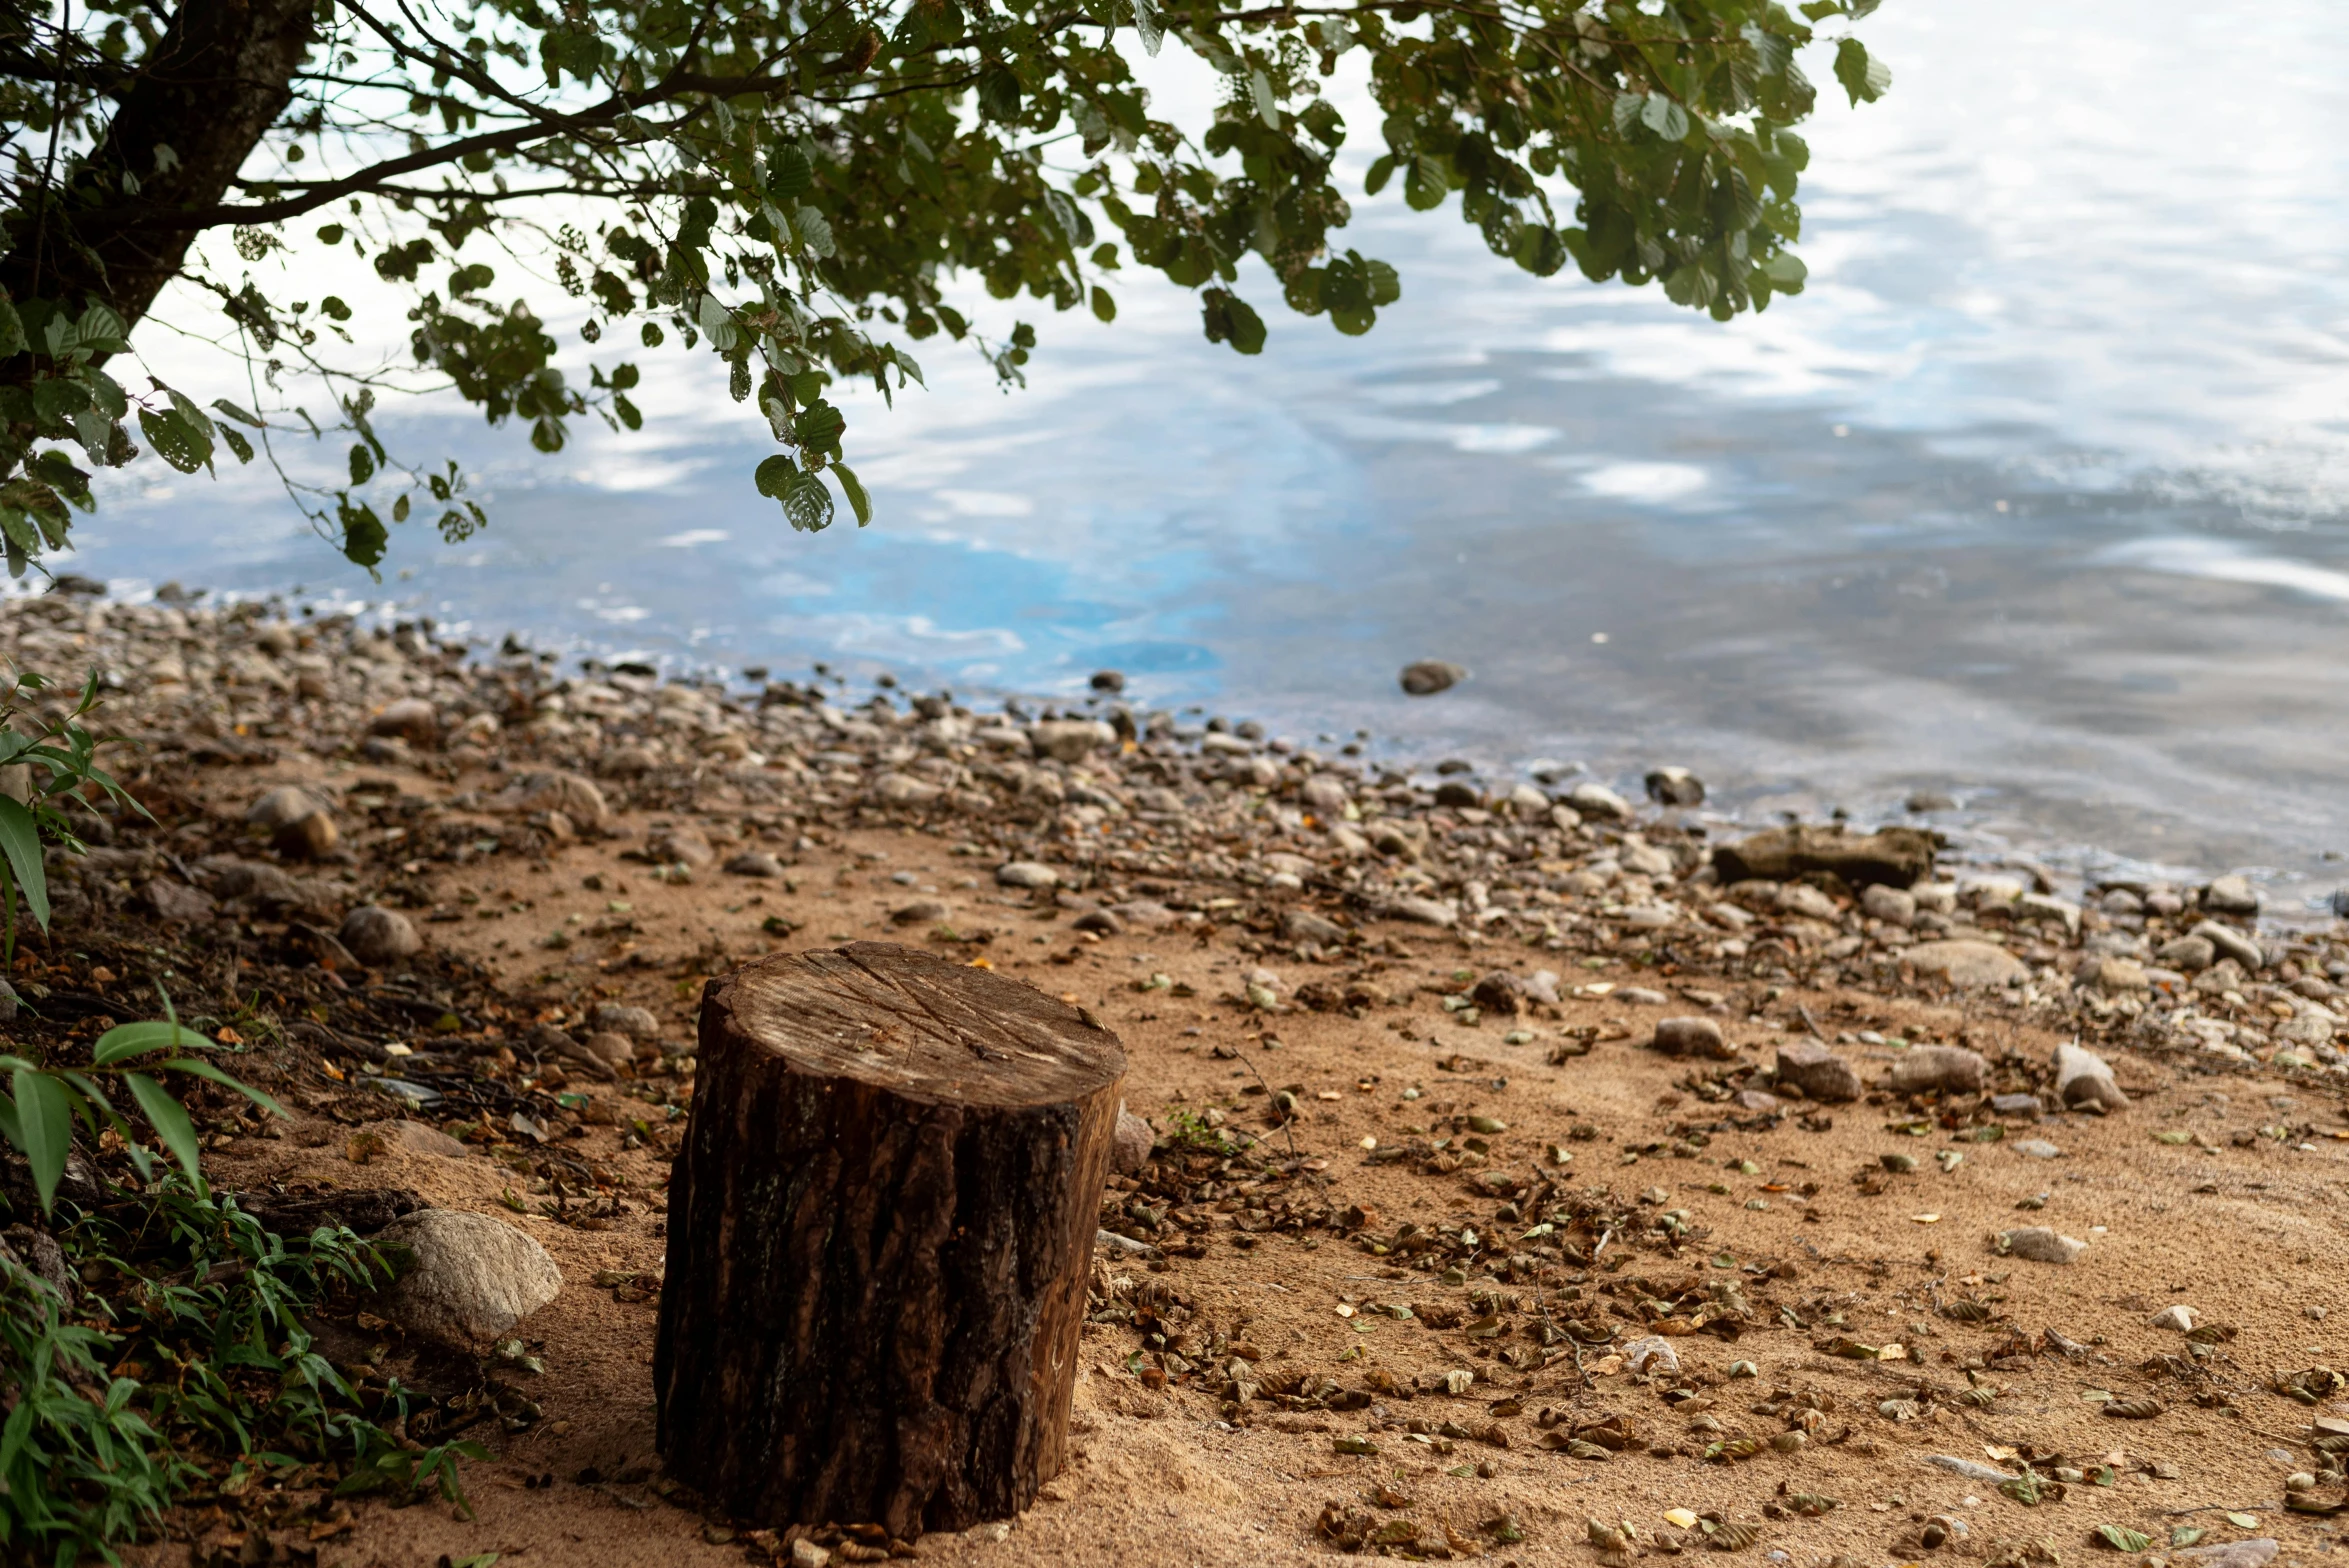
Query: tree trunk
880	1229
209	91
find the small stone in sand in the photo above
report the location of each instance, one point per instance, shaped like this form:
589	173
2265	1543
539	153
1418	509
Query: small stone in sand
2041	1245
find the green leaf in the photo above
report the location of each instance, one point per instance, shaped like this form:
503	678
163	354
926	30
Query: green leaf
1104	308
124	1041
1146	23
1425	185
852	487
12	338
1229	318
364	536
44	1108
2122	1539
175	440
818	429
776	476
1863	76
169	1118
789	174
227	1080
1665	117
808	505
1382	170
362	463
20	841
237	444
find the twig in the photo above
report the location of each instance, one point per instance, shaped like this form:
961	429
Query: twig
1242	1057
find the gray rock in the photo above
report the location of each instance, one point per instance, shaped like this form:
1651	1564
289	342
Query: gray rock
921	912
1800	898
2227	942
1692	1037
1968	964
2192	954
576	797
2255	1553
1108	680
254	879
1596	800
283	807
2083	1079
2038	1149
1325	794
1757	1101
1894	906
176	900
1130	1145
637	1023
2022	1107
1303	925
2039	1244
379	937
1098	921
2114	974
1143	914
1817	1071
1944	1069
1675	787
1072	740
1423	911
417	1138
2231	895
754	863
311	838
1429	676
897	789
10	1003
1972	1470
679	845
610	1047
412	719
1026	874
465	1279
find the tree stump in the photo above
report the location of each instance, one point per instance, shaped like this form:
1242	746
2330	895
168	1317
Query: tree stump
880	1232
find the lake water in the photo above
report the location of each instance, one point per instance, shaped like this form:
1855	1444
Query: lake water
2035	497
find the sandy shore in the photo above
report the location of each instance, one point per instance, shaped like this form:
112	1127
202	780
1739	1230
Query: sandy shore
1403	1308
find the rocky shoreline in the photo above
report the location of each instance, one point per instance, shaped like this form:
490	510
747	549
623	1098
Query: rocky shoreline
1130	816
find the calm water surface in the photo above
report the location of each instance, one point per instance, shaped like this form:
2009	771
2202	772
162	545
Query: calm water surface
2036	497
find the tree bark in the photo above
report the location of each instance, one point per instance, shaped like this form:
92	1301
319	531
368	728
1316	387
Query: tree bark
214	84
880	1229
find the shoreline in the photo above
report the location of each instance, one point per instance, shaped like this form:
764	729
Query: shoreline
1480	1017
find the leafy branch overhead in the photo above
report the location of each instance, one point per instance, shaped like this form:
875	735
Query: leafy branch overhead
794	186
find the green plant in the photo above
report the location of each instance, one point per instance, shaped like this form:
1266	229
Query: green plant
39	1117
216	1384
796	187
55	759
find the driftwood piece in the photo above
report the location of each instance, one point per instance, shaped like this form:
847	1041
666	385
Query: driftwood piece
880	1228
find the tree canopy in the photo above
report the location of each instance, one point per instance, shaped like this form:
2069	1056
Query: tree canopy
793	186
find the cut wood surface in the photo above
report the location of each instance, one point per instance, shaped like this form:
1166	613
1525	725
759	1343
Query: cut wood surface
880	1227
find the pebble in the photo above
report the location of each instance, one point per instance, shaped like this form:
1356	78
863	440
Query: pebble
1944	1069
1971	1469
473	1278
2231	895
2180	1317
1675	787
412	719
417	1138
2042	1245
2023	1107
2038	1149
177	901
282	807
1098	921
679	846
379	937
1818	1072
1893	905
1596	800
2192	954
1026	874
1303	925
754	863
576	796
2255	1553
1692	1037
637	1023
1429	676
2116	976
1071	740
1968	964
1130	1144
311	838
2227	942
1108	680
1424	911
1653	1353
2083	1080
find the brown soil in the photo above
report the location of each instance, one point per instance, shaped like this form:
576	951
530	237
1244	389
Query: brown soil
2243	1222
